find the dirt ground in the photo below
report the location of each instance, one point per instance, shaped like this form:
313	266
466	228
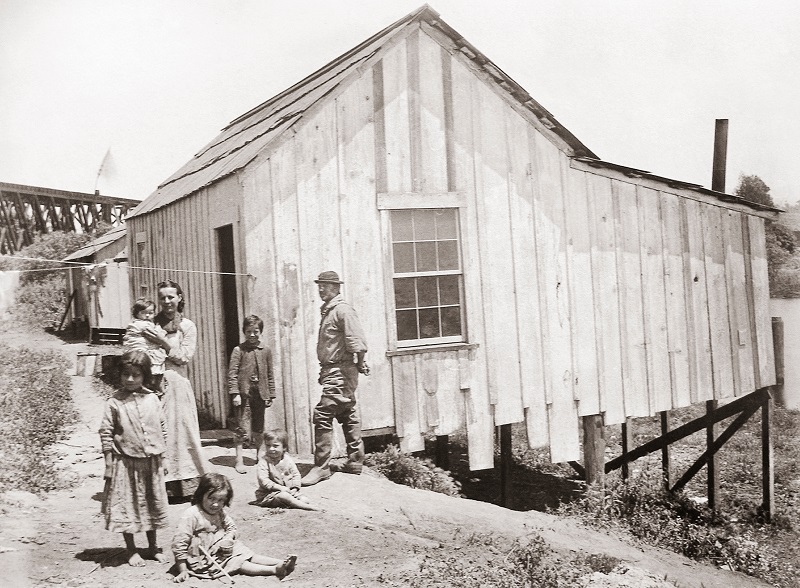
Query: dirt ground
371	531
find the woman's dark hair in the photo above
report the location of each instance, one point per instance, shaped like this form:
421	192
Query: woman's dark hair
138	359
252	320
178	289
141	304
212	483
277	435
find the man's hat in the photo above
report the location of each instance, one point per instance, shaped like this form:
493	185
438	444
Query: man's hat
328	278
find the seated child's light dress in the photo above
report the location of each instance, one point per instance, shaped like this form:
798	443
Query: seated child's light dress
270	475
198	528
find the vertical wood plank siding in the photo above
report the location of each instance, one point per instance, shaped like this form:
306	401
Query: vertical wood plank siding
361	237
605	238
478	410
178	237
586	290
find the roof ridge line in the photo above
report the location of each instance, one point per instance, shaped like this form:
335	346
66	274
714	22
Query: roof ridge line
331	64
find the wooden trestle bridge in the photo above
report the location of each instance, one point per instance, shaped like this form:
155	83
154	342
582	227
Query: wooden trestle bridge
26	211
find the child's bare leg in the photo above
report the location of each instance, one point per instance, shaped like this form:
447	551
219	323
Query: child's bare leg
134	559
290	501
239	459
265	560
153	550
263	565
256	439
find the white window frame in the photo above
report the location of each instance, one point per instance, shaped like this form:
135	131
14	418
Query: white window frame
388	202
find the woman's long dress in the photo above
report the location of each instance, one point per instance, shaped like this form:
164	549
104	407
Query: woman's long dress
184	458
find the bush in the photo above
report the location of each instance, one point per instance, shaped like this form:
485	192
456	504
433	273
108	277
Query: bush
673	521
408	470
41	296
526	562
35	410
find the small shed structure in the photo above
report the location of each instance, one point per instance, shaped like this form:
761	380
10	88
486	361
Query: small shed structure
503	273
98	289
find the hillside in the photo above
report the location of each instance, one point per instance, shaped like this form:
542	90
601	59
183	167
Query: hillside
372	532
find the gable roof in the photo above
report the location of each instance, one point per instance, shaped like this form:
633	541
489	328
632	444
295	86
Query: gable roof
115	234
246	136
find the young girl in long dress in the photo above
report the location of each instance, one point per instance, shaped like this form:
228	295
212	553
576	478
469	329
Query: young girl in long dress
206	540
132	434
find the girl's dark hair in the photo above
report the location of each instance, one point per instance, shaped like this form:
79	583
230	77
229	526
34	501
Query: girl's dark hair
277	435
178	289
252	320
142	304
212	483
138	359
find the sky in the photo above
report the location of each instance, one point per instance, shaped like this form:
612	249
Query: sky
150	82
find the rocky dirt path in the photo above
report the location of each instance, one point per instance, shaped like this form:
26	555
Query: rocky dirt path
370	533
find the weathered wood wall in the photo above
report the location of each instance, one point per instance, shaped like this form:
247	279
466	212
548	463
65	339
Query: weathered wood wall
179	242
586	290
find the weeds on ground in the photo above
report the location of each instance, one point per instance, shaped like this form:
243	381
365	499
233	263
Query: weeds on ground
35	410
403	468
498	562
672	520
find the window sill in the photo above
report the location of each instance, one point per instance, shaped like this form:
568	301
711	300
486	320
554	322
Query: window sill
431	348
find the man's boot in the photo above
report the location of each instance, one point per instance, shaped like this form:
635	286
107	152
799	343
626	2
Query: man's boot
355	461
315	475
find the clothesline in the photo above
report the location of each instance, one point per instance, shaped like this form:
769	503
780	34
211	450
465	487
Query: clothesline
86	264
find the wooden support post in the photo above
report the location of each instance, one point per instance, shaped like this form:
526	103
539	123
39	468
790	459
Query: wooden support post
713	472
709	453
627	441
594	449
665	450
767	469
66	310
579	469
443	452
777	344
505	465
755	399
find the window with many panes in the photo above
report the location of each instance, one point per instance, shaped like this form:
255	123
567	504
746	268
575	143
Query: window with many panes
427	276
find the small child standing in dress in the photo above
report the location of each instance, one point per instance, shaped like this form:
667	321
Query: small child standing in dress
132	434
206	541
143	312
251	385
278	476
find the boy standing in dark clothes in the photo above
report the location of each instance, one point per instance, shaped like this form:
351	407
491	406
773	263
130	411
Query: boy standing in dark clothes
251	385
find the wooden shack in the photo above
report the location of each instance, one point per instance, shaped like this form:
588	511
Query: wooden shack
503	272
98	287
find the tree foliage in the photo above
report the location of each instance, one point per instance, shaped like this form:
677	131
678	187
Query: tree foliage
753	189
41	296
783	259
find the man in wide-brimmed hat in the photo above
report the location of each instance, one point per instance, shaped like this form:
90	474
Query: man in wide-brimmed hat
341	347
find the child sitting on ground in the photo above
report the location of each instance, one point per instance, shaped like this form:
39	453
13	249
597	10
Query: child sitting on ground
206	545
251	386
135	498
143	312
278	476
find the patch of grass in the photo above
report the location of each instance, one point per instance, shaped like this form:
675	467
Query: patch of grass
403	468
498	562
672	520
35	410
746	542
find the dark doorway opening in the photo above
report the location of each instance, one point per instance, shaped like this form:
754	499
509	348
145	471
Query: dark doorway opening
227	264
